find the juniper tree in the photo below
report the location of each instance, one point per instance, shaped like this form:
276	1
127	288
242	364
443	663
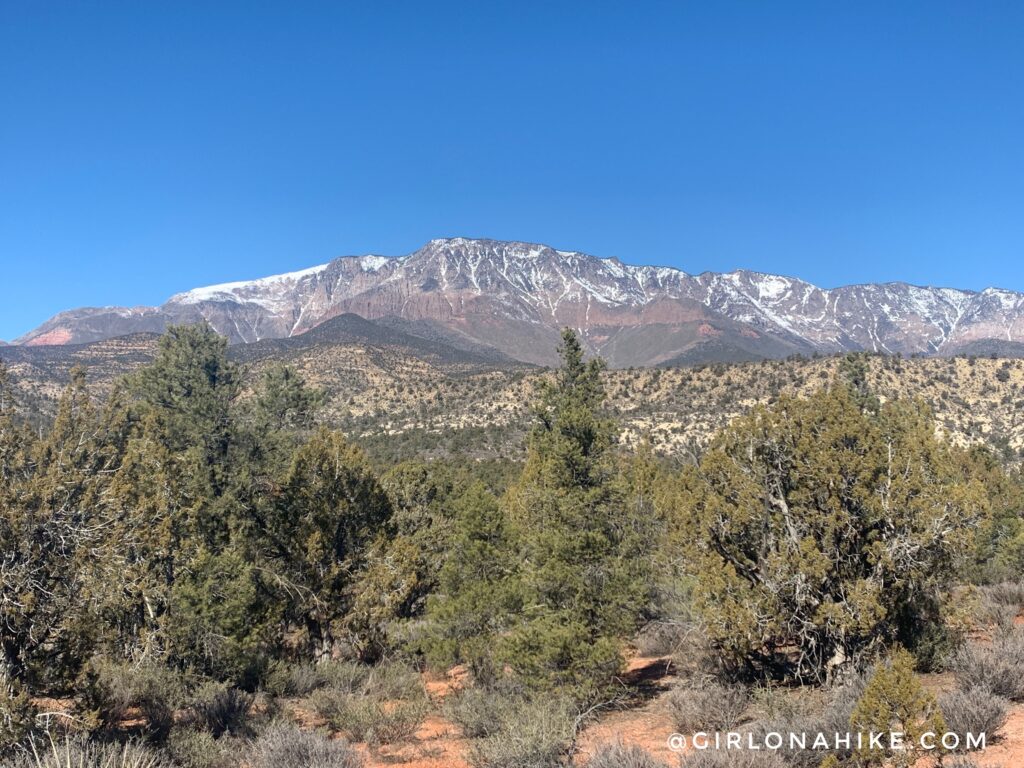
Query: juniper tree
330	509
403	567
54	565
894	701
176	488
819	533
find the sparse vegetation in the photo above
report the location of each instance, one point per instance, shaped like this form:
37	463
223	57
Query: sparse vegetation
709	707
284	746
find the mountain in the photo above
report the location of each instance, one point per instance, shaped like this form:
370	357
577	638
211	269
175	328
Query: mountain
509	299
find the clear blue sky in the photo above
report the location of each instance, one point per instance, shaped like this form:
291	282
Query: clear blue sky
149	147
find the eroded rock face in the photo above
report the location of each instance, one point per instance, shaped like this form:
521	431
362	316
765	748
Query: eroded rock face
515	296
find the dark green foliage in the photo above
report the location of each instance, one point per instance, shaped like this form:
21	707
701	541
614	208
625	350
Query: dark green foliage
284	403
17	718
579	580
56	563
329	510
476	598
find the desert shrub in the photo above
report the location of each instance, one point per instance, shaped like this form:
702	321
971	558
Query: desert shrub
478	711
531	734
392	680
1008	593
696	659
77	753
999	667
975	710
111	690
832	717
619	755
365	718
389	680
1001	617
662	638
284	679
965	762
191	748
222	709
348	676
285	746
329	703
379	705
710	706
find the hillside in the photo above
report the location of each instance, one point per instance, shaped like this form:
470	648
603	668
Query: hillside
402	395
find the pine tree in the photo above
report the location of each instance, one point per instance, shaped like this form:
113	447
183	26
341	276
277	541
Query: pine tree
475	600
578	584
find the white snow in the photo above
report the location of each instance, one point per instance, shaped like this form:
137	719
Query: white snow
772	286
373	263
233	291
1007	299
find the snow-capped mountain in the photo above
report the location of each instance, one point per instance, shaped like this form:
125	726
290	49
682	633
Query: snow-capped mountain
514	297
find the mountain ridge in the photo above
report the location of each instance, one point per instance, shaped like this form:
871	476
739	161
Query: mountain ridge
513	297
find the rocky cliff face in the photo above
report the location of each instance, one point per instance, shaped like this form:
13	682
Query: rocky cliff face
514	297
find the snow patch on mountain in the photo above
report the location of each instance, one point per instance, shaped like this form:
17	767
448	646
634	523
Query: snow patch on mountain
255	289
